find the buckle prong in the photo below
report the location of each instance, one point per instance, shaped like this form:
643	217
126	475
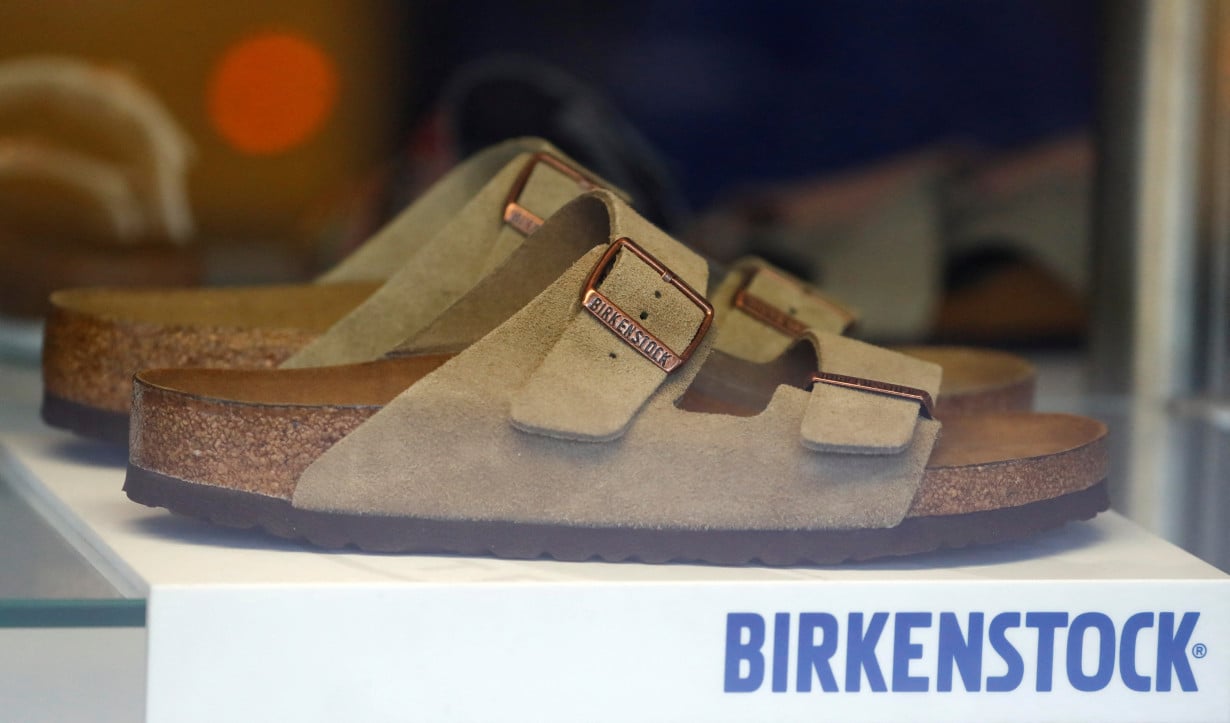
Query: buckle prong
625	326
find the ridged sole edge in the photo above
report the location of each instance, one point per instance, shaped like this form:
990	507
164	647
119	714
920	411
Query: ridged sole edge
101	424
503	539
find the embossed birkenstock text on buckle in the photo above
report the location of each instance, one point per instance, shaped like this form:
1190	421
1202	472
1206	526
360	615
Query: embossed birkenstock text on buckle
780	319
521	218
922	396
627	327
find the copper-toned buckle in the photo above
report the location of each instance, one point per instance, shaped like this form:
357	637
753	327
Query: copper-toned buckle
782	320
627	327
521	218
921	396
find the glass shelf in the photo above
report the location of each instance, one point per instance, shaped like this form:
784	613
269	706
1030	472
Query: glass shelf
1168	472
46	581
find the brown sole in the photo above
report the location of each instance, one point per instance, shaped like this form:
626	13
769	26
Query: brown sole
93	422
233	508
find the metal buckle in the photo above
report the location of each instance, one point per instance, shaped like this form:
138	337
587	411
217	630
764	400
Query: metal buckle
870	385
780	319
629	329
521	218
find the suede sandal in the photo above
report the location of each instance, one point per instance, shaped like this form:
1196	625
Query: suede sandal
594	417
767	309
96	339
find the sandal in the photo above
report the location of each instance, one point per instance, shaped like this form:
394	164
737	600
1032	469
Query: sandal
97	338
767	309
595	418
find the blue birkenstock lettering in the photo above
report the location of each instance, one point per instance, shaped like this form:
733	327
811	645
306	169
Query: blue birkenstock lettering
815	657
1090	646
962	651
739	652
1172	651
861	652
1046	624
1011	680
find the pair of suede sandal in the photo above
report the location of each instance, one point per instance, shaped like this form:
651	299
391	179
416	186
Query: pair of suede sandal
593	389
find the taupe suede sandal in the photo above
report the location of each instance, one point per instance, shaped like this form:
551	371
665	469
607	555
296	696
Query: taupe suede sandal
594	418
766	309
96	339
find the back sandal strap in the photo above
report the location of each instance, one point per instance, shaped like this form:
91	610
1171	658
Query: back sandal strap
762	310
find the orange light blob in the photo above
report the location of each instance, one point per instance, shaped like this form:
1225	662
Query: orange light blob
271	92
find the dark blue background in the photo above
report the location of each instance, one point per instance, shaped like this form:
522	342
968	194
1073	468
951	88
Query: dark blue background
734	92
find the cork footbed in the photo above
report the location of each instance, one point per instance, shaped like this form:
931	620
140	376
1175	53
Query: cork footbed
219	443
311	307
97	339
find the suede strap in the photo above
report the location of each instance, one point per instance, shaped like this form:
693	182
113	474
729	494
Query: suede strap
386	251
762	310
445	267
842	419
598	375
445	448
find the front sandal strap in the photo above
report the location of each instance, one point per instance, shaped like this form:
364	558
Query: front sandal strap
866	399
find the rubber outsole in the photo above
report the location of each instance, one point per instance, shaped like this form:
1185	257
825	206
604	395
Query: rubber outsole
370	533
87	421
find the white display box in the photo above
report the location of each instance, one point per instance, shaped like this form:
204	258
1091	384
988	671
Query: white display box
1096	621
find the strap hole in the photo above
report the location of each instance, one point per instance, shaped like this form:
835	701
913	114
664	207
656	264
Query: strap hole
644	315
614	355
657	294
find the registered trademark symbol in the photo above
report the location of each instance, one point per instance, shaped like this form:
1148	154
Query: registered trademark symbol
1199	650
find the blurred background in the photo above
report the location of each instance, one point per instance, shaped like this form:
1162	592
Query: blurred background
1047	176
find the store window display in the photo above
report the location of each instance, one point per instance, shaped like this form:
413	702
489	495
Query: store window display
725	354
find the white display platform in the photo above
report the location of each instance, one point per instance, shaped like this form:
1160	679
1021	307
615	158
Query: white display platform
242	626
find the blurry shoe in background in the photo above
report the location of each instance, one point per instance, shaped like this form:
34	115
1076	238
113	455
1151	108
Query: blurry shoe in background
1018	247
94	185
498	98
944	245
872	238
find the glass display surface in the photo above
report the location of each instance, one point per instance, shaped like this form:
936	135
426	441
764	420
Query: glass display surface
1167	468
46	581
